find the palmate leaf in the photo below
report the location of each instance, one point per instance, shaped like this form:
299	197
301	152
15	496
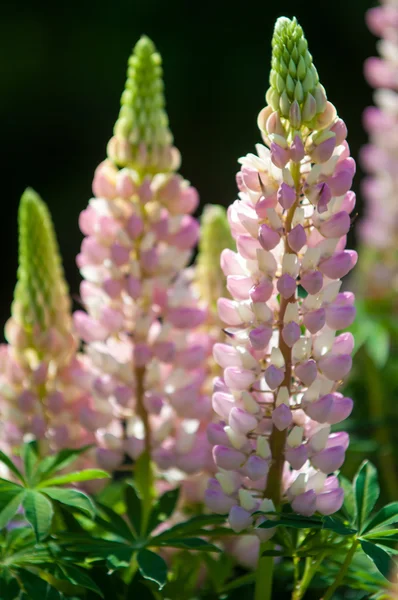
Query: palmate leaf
152	567
36	587
116	524
8	462
386	516
79	577
191	544
349	505
71	497
379	557
190	528
163	508
134	507
38	512
367	491
85	475
9	510
29	459
59	461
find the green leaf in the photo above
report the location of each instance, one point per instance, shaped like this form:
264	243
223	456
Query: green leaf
163	508
9	510
85	475
379	557
35	587
377	534
190	527
366	492
39	513
333	524
191	544
134	508
8	462
60	461
295	521
116	524
386	516
96	548
378	344
153	567
29	458
80	577
349	506
70	497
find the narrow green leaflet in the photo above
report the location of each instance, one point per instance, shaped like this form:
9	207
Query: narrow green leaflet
163	508
60	461
70	497
29	458
134	507
35	587
367	491
39	512
349	506
116	525
8	462
380	557
85	475
333	524
190	527
386	516
79	577
191	544
153	567
9	510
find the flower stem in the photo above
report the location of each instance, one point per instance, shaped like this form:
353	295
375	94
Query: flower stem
278	438
264	574
377	404
146	477
310	569
344	568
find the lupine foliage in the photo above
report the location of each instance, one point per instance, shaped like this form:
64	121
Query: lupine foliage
209	391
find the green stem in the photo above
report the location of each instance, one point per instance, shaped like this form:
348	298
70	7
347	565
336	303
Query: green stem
277	439
146	476
310	569
377	405
264	574
344	568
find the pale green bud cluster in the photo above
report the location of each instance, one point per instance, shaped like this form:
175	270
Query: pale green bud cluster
41	299
295	91
215	237
142	138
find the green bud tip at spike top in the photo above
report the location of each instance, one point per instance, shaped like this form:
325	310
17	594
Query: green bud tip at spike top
41	298
142	138
215	237
295	91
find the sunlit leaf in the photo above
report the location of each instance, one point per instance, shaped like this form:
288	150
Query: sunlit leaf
39	512
70	497
379	557
85	475
153	567
367	491
386	516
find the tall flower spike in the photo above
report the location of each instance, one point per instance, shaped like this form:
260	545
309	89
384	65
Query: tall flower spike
141	309
379	227
215	236
142	139
42	380
41	296
283	365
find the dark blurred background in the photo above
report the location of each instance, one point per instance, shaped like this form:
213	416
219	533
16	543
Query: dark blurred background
63	69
